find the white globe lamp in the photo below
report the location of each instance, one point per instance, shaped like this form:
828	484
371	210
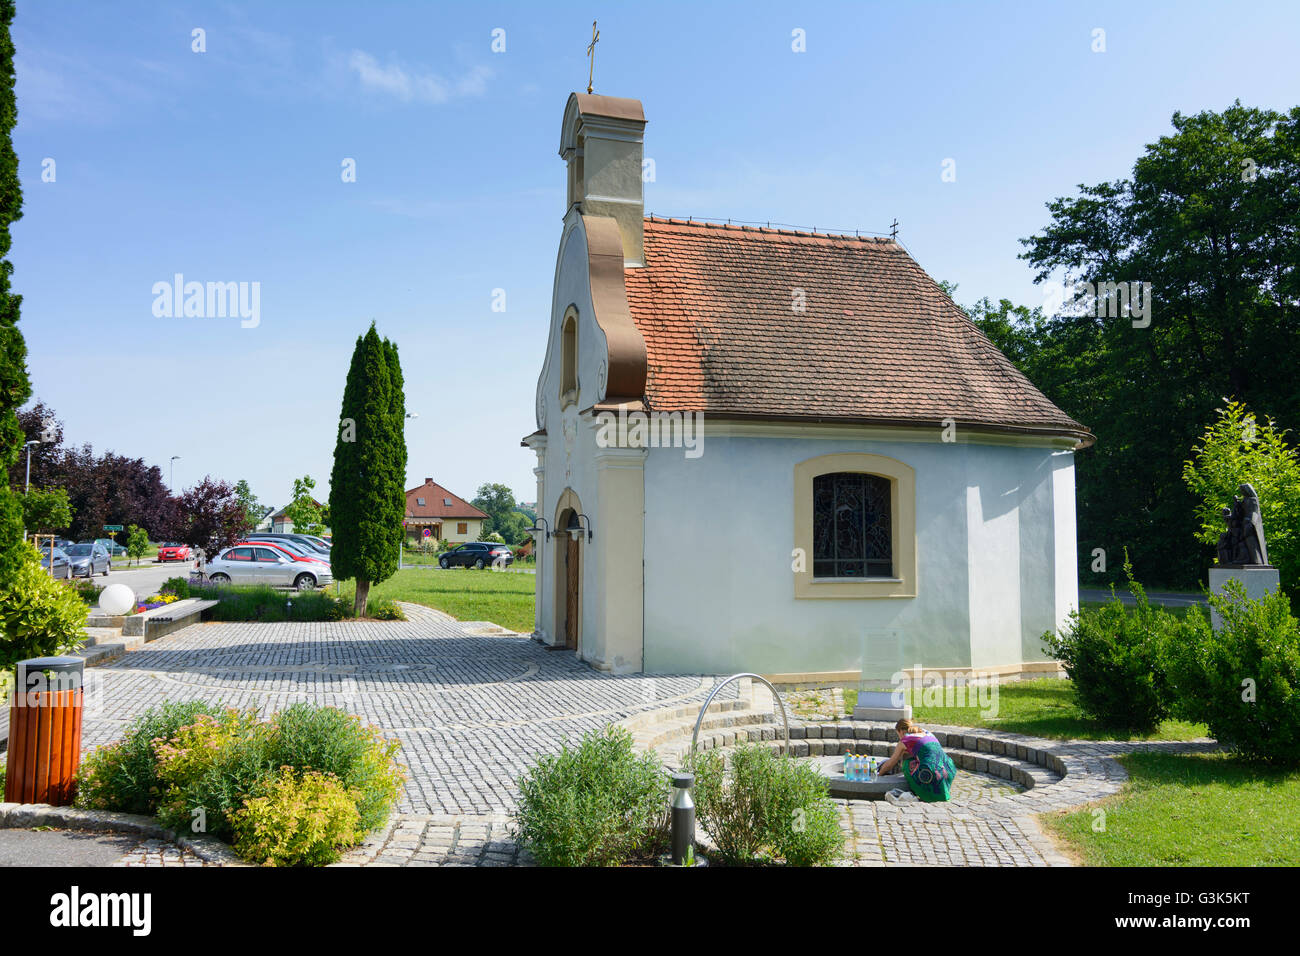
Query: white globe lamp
116	599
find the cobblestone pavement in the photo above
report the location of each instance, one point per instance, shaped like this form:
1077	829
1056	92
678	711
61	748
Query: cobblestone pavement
159	853
471	711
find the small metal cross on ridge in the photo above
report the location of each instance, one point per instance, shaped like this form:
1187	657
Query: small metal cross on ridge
591	52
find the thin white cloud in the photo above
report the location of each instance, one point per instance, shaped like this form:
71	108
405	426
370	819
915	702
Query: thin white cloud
396	80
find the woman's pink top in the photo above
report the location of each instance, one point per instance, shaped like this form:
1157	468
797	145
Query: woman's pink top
913	741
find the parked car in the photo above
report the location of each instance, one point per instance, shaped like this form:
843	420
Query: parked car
261	564
301	540
174	551
88	557
290	549
111	546
477	554
62	564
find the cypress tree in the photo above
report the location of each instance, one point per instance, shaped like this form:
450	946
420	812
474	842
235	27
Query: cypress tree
367	485
15	388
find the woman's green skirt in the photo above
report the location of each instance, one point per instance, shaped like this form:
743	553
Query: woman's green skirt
929	773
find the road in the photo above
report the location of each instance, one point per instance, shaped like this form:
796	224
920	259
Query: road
147	578
1162	598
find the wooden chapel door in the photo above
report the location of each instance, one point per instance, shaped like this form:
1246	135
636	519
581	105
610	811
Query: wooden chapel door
571	594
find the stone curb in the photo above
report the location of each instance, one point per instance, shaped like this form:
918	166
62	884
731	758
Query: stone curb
1055	774
20	816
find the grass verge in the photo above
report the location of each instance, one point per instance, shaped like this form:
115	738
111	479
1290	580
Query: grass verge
498	596
1189	810
1039	708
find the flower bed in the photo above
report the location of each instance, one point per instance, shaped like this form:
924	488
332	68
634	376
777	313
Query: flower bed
293	790
266	604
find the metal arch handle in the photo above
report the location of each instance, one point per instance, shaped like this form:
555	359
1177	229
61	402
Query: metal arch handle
708	700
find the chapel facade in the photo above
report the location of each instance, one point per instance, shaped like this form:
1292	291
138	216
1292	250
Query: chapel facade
782	452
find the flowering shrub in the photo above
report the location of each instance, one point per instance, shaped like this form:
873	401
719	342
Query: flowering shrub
122	775
208	768
157	600
197	769
297	819
338	743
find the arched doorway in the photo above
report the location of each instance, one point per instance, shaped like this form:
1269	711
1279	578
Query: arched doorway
568	575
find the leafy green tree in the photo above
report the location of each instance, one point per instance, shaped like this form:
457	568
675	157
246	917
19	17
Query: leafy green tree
255	509
15	388
1208	218
367	494
137	542
504	516
1237	449
46	509
303	510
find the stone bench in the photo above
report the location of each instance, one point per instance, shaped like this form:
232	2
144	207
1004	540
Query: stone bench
152	625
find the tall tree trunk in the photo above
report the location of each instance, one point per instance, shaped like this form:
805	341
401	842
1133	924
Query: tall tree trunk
363	592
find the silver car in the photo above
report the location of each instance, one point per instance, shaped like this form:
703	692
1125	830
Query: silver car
57	563
87	558
250	564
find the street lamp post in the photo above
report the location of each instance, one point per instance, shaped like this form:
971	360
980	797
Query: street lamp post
401	540
171	478
28	486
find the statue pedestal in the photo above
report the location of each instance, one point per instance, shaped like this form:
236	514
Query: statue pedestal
1259	579
879	705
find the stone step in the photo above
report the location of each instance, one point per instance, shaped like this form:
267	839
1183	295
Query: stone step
1045	769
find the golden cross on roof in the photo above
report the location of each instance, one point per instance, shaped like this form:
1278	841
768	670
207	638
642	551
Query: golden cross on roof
591	52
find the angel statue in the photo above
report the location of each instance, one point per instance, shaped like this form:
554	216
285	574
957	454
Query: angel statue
1243	543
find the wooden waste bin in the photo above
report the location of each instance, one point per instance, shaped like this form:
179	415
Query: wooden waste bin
45	731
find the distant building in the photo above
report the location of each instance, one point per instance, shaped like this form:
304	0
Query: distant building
446	516
277	523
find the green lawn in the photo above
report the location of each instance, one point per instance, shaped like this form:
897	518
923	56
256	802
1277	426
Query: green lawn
1190	810
502	597
1040	708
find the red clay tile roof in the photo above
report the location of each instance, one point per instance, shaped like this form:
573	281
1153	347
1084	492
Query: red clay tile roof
879	340
433	507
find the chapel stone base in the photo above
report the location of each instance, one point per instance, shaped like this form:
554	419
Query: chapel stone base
879	705
1258	579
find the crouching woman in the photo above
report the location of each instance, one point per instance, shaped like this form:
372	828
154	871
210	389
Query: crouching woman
928	770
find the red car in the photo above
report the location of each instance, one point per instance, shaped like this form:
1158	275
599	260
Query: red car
281	549
174	552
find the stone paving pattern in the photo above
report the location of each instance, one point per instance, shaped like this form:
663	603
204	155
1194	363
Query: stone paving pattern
472	711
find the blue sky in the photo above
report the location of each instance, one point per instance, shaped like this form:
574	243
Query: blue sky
225	166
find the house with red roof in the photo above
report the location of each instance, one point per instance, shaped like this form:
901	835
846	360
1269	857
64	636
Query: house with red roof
434	514
782	451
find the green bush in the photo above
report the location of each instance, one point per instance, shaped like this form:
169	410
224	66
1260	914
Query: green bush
333	741
1115	658
297	819
39	617
384	609
88	591
196	769
762	806
1243	680
265	604
208	769
122	776
596	804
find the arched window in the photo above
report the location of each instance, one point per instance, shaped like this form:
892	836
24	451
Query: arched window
569	358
